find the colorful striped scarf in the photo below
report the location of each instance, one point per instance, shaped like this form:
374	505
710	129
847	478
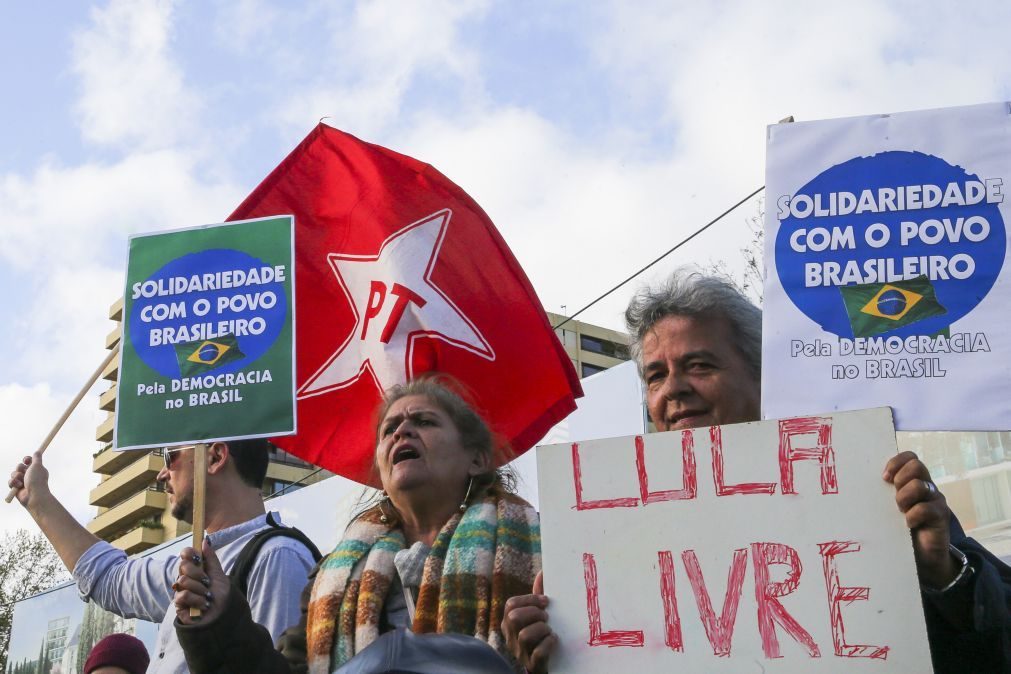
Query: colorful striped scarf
480	558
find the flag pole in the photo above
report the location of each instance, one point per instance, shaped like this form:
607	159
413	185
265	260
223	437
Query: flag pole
70	408
199	501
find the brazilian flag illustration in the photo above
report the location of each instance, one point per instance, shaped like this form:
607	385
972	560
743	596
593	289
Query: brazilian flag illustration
196	358
874	308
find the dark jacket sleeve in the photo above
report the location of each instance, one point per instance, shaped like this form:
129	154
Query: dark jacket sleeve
969	627
233	643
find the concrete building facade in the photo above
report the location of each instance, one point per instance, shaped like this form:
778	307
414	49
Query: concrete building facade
592	348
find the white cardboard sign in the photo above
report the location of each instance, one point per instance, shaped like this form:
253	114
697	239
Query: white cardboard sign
772	546
886	238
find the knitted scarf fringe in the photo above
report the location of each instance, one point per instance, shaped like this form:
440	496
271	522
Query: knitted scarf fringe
480	558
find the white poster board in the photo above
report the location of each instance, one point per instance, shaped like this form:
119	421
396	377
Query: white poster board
612	405
885	243
816	556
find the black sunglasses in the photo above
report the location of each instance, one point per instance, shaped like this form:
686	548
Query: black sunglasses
169	455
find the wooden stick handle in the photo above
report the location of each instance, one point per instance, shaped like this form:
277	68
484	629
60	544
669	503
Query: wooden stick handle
199	510
70	408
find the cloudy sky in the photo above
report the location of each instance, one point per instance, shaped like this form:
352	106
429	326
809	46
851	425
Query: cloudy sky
596	135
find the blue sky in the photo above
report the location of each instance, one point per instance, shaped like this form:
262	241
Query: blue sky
595	134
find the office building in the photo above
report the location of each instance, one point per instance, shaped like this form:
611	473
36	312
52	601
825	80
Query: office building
592	348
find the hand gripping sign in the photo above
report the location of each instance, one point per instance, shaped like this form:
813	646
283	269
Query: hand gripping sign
772	546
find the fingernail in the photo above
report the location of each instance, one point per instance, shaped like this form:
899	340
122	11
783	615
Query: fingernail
206	581
196	558
207	605
209	595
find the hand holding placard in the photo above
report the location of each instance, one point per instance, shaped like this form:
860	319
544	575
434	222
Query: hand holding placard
203	589
927	516
526	629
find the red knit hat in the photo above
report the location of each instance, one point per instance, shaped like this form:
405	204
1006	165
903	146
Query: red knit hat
118	650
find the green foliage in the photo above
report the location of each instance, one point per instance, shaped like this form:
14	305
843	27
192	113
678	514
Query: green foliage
28	565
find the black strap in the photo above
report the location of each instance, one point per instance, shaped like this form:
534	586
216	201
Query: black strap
239	574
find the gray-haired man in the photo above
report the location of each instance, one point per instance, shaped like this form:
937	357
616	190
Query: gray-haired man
698	343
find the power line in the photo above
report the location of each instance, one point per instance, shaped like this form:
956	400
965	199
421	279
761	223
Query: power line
281	491
681	243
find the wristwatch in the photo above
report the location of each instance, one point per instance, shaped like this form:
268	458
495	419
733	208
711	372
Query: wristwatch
963	576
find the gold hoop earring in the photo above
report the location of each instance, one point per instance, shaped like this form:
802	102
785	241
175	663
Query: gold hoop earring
463	506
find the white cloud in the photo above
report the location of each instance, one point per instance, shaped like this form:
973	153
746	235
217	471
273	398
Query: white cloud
721	72
582	213
578	218
132	94
36	409
373	57
66	227
62	339
247	21
62	214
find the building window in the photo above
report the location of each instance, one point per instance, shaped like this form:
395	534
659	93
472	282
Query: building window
566	337
56	637
604	347
278	455
279	487
986	499
991	449
589	369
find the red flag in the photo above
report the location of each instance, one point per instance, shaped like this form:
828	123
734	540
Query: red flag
400	272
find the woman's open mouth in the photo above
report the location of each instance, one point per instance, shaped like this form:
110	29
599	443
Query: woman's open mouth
404	453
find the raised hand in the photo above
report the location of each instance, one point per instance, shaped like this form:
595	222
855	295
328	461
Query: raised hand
31	479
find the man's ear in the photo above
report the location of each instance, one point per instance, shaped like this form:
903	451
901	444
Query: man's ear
217	457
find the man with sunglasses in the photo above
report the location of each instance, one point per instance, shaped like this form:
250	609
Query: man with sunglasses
142	587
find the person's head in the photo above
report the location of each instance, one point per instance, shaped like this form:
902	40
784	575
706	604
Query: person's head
117	654
698	343
431	444
235	464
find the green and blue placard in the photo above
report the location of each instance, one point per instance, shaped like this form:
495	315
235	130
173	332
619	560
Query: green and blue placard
207	351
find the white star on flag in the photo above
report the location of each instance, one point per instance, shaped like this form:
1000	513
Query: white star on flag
395	303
